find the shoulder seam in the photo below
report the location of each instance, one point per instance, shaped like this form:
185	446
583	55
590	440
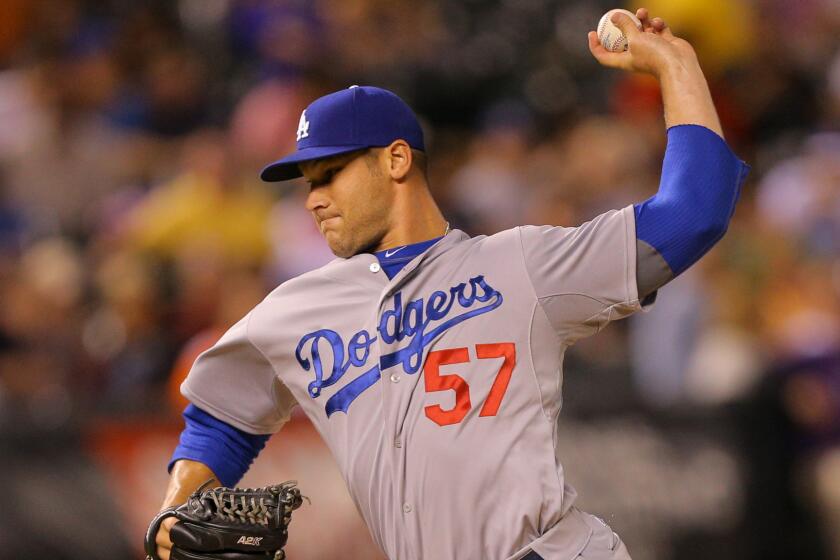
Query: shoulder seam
581	294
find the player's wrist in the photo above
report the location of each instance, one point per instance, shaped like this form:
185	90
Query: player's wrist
187	476
680	63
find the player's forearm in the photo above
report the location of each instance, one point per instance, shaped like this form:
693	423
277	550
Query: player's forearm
686	96
223	448
186	477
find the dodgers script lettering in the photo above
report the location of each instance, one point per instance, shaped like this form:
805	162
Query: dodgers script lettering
417	323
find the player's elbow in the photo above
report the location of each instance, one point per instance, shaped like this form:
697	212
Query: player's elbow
709	231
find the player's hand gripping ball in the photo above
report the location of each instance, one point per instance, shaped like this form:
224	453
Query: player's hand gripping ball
650	50
611	36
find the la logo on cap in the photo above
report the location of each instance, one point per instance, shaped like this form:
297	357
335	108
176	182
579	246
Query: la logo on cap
346	121
303	127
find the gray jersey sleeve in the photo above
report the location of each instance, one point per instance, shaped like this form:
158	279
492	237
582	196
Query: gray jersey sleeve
583	277
234	382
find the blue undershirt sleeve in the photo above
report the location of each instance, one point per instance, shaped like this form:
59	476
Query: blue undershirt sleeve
226	450
700	184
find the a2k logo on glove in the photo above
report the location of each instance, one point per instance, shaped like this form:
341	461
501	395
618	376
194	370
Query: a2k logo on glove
420	321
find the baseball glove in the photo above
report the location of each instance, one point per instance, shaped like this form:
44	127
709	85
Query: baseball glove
229	524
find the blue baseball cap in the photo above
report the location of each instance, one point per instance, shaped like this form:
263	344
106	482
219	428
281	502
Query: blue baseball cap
345	121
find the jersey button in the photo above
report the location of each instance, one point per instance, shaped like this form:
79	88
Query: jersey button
395	378
407	507
374	267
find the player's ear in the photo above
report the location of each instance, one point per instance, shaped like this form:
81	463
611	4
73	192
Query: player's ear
398	158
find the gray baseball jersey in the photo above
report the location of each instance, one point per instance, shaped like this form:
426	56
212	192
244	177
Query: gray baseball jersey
438	391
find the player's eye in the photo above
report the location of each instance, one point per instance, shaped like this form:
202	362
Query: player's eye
326	177
330	174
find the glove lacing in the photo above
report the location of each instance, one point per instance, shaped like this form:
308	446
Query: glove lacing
233	505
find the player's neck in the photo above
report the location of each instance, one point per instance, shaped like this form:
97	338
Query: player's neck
416	218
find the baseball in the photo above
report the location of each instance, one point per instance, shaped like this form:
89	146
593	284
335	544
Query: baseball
611	36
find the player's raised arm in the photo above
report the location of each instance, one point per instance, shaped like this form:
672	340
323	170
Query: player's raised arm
701	177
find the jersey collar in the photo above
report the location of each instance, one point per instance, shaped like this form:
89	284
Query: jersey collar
358	268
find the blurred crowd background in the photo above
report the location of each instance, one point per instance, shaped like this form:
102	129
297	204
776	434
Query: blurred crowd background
134	230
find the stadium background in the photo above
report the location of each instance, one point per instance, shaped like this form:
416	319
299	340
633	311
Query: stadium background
133	230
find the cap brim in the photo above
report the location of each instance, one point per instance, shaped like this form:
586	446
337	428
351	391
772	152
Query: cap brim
287	168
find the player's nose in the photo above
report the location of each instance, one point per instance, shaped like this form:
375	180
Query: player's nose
316	199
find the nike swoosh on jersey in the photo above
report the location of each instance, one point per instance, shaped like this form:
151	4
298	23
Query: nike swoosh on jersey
394	252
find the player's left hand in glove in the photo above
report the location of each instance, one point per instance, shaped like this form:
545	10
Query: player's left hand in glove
229	524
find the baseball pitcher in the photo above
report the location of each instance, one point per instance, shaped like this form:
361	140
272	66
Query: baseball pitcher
431	362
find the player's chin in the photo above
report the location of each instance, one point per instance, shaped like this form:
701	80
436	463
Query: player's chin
338	245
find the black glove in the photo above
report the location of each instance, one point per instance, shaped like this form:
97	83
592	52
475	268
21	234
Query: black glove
229	524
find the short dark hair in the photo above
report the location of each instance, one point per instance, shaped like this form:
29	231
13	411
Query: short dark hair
369	155
420	161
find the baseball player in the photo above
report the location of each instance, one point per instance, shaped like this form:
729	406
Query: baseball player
431	362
